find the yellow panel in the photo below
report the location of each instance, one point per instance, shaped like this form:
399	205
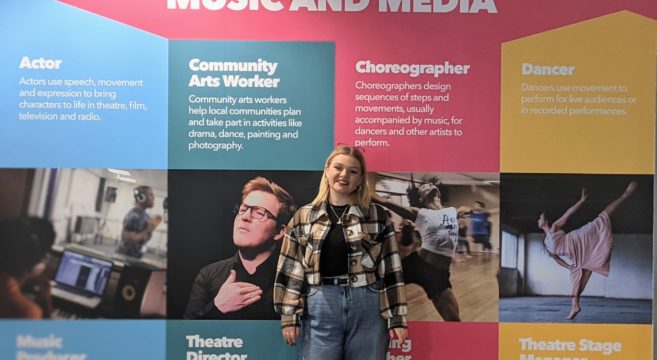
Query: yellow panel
575	342
581	99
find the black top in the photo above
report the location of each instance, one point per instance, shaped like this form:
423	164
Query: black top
210	278
335	251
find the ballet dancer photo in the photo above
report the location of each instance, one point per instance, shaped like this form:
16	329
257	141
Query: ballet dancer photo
588	247
604	229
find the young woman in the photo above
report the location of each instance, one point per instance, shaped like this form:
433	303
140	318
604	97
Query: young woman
339	286
588	248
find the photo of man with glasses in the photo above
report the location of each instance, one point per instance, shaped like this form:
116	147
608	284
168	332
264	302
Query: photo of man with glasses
241	286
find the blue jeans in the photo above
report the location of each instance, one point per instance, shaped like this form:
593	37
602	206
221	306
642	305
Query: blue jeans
343	323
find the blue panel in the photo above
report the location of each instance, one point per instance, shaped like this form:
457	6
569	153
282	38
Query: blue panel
242	339
97	339
38	130
278	116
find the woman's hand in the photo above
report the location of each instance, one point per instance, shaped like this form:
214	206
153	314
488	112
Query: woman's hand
585	194
290	335
399	333
562	263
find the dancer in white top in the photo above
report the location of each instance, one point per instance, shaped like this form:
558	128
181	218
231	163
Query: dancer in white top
429	265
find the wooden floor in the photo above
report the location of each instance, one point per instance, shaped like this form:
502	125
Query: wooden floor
474	282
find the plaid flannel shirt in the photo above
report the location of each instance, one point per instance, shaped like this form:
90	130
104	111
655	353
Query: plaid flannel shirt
372	255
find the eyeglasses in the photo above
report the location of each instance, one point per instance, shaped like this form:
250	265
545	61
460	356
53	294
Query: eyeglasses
257	212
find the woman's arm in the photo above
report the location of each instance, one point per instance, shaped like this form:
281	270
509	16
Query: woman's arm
393	297
409	213
290	275
561	262
561	222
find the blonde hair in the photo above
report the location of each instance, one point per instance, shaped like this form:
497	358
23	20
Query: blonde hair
360	197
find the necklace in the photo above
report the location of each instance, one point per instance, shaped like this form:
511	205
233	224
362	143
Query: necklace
336	214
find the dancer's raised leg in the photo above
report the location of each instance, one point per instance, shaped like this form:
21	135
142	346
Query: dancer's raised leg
626	194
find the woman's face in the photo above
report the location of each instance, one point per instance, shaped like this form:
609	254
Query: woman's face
344	174
541	220
429	196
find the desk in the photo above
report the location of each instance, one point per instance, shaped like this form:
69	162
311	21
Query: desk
135	289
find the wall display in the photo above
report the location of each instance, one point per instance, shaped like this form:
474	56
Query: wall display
530	126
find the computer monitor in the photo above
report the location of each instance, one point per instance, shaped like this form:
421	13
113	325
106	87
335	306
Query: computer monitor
83	272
